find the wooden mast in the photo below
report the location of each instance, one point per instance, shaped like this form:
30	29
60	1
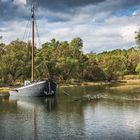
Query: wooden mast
33	62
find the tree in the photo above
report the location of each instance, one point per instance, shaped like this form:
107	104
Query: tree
65	61
138	69
137	37
113	67
133	59
16	62
46	60
92	71
76	46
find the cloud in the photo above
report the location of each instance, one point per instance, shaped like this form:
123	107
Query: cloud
102	24
19	2
11	9
61	5
112	34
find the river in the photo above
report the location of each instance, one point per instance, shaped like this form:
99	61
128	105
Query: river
76	113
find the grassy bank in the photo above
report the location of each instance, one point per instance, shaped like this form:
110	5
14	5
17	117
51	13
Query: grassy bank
120	82
123	84
127	85
4	90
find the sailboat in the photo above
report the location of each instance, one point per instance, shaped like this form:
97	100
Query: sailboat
33	88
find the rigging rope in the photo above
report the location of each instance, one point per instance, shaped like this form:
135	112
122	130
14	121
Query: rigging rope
26	30
27	33
37	33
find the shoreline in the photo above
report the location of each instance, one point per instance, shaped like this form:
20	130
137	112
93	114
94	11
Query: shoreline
122	83
5	90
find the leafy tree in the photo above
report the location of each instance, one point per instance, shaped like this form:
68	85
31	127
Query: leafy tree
76	46
133	60
138	69
92	71
15	63
65	61
137	37
113	67
46	60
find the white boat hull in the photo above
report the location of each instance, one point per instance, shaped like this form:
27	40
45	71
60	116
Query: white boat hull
34	89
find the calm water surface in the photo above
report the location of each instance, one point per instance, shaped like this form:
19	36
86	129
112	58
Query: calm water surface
111	115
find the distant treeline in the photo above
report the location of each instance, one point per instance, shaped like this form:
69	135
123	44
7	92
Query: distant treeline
65	62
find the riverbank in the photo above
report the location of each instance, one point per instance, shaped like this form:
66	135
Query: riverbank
120	85
4	89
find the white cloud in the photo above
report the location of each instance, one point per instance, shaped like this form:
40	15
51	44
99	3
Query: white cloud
100	31
19	2
136	13
110	35
128	33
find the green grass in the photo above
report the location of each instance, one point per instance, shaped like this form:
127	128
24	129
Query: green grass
4	90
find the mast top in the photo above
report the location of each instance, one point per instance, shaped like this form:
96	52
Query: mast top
32	10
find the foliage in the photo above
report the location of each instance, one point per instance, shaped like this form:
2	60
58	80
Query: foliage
65	61
15	62
137	37
92	70
138	69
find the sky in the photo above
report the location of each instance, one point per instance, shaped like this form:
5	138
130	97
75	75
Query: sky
103	25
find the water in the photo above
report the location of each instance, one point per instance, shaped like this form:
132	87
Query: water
72	115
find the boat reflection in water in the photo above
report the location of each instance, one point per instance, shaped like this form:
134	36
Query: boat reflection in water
26	114
30	102
50	104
